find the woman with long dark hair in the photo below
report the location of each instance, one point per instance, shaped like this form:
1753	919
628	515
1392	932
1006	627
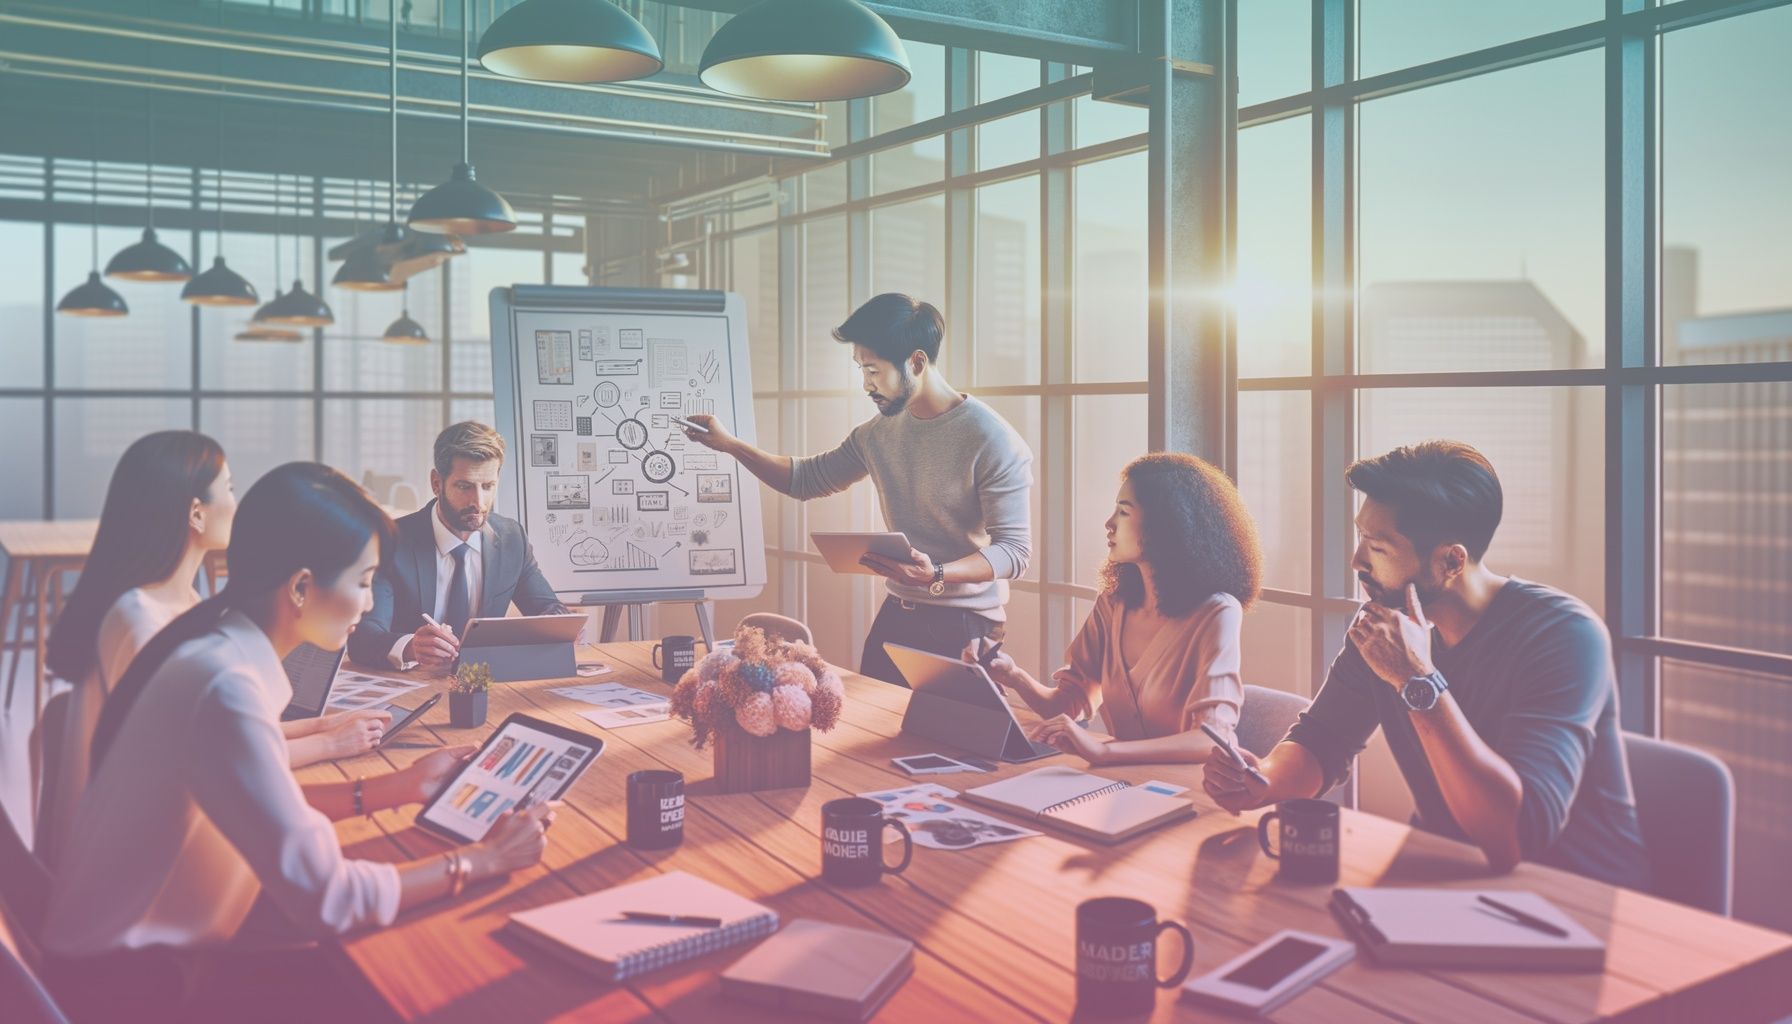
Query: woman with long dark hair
169	505
1159	653
192	813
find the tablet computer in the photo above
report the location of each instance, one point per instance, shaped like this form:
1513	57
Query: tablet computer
521	630
955	702
524	759
843	550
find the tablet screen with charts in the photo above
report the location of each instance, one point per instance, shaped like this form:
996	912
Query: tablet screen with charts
525	758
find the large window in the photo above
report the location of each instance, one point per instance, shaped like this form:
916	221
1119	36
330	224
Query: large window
89	387
1065	361
1479	278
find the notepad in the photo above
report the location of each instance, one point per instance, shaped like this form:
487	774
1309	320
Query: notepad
826	970
589	931
1090	806
1452	928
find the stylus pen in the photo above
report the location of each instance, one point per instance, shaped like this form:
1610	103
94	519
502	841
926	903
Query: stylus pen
433	622
1520	917
1232	752
988	657
688	425
684	919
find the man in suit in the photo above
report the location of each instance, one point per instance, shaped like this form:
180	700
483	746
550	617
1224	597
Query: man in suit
455	560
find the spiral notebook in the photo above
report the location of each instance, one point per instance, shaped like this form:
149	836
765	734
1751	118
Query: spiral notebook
590	932
1088	805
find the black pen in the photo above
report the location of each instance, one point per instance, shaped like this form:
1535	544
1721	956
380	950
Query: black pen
684	919
1520	917
988	657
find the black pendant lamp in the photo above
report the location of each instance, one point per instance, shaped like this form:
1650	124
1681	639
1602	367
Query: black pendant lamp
218	285
814	50
298	307
92	297
461	205
569	41
404	330
267	332
148	259
272	306
367	270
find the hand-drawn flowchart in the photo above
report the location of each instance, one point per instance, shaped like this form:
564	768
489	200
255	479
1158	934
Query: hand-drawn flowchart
612	493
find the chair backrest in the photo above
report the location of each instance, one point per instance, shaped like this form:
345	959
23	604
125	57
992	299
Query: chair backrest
22	992
24	881
779	627
1686	804
1266	717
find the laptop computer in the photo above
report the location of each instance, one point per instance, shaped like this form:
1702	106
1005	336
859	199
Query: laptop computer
956	702
312	671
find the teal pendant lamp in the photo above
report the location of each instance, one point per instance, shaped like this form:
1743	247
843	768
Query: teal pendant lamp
298	307
219	285
148	259
569	41
813	50
460	205
93	297
404	330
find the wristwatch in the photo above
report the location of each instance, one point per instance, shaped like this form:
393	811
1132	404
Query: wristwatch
1421	693
938	586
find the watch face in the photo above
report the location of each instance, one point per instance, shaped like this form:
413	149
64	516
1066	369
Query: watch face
1419	693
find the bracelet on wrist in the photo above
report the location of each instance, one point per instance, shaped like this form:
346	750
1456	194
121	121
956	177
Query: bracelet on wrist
360	803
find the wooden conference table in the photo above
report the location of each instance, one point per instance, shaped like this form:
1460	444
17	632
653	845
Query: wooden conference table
993	925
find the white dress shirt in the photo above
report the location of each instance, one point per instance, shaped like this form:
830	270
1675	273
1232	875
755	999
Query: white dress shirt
127	626
446	542
194	814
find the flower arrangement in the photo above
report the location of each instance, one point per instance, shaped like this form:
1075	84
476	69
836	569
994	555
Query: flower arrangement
765	684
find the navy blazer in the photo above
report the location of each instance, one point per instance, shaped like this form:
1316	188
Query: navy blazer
407	580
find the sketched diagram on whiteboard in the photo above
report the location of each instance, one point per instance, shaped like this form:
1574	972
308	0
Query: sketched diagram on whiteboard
654	509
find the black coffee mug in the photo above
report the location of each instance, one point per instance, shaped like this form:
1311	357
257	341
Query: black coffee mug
1308	841
681	654
655	810
852	848
1116	957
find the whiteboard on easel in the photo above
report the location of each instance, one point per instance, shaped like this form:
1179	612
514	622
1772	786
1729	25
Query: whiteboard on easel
619	505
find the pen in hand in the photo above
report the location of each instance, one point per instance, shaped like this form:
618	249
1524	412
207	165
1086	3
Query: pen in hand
988	657
1232	753
648	917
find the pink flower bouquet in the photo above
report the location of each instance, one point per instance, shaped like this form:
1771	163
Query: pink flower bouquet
765	684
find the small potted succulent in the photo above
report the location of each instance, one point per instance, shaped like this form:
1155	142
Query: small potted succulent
467	693
758	703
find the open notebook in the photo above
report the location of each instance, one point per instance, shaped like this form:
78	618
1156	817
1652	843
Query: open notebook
589	931
1453	928
1088	805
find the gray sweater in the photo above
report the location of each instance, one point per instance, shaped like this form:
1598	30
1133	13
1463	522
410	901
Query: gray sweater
954	484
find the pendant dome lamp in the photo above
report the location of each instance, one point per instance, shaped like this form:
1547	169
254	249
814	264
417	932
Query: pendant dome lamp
460	205
581	41
92	297
147	259
268	332
366	269
813	50
298	307
218	285
268	308
404	330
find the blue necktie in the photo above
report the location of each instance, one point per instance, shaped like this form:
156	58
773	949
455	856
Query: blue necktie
455	610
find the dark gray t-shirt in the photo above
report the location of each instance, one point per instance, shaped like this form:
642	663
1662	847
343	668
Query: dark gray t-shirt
1535	679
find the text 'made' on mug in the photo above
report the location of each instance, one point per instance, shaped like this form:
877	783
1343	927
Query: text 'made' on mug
680	654
1307	844
1116	957
655	810
852	846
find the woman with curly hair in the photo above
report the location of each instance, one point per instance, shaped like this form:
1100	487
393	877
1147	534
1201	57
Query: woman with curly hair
1159	654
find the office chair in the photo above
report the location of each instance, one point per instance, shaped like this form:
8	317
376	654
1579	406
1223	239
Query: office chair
1686	803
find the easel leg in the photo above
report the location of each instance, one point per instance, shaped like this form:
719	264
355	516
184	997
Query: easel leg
612	619
634	622
706	624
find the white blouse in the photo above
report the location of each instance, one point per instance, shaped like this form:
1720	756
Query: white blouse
135	618
194	813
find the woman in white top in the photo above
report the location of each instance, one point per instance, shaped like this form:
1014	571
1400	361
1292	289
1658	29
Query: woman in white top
193	813
1159	654
169	505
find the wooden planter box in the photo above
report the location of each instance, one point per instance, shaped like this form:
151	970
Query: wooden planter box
745	762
